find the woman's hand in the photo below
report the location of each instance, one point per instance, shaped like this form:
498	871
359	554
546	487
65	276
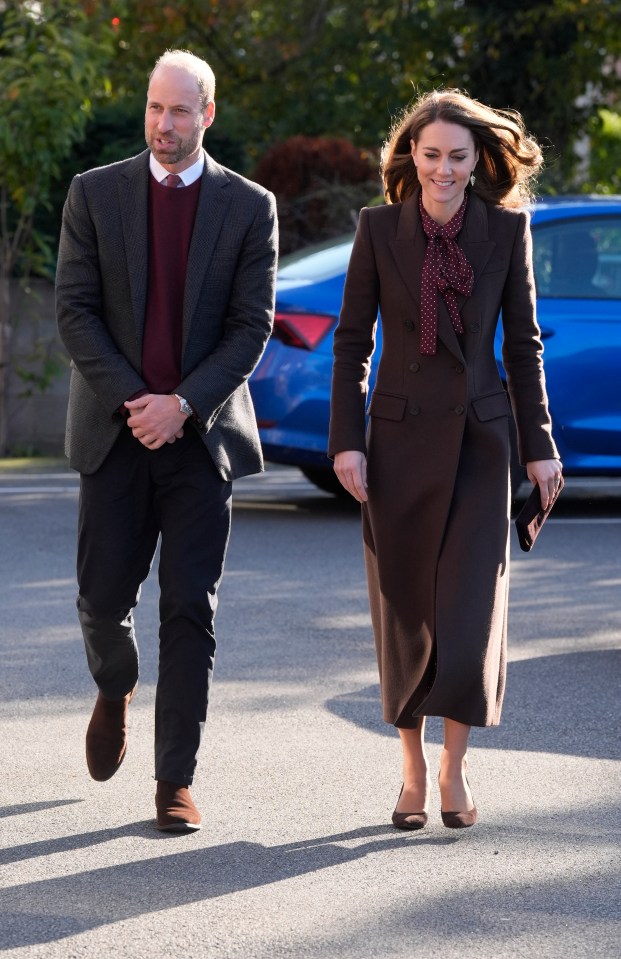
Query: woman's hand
547	474
351	468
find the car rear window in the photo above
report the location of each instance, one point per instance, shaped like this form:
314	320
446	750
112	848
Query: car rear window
579	258
321	262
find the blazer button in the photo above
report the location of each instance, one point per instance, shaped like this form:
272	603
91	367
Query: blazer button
408	324
459	409
414	367
475	328
459	368
414	410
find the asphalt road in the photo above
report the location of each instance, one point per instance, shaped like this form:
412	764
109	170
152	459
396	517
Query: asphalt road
298	775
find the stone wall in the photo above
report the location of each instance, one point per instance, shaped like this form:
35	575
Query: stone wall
36	422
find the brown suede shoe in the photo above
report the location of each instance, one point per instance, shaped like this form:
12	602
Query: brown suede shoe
106	736
408	820
175	810
460	820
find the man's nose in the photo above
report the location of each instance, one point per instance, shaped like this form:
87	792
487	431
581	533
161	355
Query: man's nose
165	120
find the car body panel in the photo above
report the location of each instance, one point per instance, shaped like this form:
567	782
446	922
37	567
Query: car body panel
581	334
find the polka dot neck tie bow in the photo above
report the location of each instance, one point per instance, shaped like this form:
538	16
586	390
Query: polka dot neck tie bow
446	271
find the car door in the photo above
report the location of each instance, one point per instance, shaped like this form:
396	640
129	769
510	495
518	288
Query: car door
578	274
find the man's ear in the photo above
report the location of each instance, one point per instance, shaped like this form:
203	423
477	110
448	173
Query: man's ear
210	114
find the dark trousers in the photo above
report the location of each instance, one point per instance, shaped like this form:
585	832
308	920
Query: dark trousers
133	498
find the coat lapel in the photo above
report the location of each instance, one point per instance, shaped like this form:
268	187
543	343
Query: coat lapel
408	247
213	203
133	193
474	239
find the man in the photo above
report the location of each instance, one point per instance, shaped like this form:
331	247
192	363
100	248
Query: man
165	300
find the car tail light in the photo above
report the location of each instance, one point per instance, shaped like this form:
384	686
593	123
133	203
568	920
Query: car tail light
304	330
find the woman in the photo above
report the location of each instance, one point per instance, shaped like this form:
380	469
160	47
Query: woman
448	252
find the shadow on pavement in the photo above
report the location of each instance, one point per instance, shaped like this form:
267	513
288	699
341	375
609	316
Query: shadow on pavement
554	704
50	847
52	909
21	808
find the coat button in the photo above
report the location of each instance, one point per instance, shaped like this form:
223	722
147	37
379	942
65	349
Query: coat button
408	324
459	409
459	368
475	328
414	367
414	410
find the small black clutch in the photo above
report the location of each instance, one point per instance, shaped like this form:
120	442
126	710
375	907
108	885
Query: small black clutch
531	517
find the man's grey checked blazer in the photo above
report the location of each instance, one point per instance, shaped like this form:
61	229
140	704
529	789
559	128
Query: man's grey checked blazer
228	308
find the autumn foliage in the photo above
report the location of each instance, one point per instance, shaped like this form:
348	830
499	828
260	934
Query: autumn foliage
320	183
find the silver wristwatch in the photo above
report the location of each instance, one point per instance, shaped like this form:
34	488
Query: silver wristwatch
184	406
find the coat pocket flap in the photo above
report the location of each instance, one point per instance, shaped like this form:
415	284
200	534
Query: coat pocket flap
387	406
491	406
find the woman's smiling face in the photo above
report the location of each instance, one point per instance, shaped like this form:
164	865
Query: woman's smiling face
445	156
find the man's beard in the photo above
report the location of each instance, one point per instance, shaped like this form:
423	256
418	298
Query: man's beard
184	146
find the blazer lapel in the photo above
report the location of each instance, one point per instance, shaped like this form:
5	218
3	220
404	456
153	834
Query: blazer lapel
133	194
474	241
474	238
213	203
408	247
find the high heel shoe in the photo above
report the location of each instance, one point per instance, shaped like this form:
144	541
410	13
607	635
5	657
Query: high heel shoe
408	820
460	820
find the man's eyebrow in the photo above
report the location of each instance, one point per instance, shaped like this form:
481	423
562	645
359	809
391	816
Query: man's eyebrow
152	102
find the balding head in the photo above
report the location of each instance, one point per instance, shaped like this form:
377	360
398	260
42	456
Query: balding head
199	69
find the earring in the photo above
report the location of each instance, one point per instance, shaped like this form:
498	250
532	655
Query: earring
472	179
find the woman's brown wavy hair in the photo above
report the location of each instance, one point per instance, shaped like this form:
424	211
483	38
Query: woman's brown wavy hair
508	161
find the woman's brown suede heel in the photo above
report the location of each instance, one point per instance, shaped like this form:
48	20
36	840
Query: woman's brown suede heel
460	820
408	820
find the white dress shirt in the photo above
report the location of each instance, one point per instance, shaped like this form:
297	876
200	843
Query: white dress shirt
188	176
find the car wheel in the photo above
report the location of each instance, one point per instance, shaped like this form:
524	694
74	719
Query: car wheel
324	479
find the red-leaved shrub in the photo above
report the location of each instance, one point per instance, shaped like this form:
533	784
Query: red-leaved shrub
320	183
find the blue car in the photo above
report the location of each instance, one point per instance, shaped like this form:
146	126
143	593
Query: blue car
577	257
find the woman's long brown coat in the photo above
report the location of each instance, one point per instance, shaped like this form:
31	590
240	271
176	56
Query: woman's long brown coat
436	525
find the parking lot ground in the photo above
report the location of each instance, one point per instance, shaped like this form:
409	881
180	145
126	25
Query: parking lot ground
298	775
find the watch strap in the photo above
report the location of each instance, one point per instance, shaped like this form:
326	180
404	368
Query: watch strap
184	406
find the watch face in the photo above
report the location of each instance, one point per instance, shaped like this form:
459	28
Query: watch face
184	406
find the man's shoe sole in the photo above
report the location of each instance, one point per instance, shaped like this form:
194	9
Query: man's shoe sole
180	827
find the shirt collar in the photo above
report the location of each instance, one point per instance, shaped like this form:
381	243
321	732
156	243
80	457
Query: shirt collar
188	176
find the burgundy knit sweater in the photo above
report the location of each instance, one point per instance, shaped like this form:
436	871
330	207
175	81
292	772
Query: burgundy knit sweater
171	222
